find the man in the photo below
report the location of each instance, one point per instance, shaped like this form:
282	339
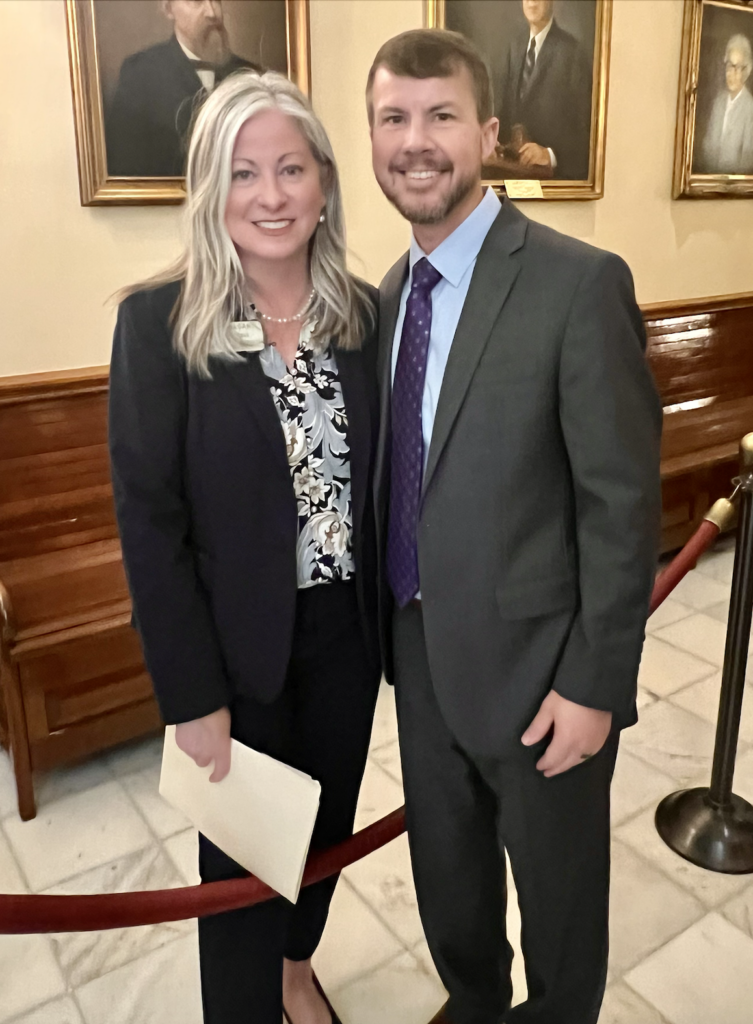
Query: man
728	140
546	89
518	501
159	88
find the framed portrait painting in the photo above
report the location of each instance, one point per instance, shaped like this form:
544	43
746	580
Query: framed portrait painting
549	62
141	68
714	141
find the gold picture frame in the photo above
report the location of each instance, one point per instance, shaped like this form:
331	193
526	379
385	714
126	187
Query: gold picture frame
711	158
591	185
97	187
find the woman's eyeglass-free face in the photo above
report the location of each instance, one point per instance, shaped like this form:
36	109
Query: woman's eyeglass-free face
275	197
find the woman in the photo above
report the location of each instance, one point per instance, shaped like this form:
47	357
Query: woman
243	424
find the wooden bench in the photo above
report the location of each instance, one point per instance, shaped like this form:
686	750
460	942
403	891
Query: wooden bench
701	354
72	677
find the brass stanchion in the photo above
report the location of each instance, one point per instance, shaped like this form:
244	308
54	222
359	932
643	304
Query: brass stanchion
712	827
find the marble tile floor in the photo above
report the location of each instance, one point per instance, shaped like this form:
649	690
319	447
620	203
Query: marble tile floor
682	937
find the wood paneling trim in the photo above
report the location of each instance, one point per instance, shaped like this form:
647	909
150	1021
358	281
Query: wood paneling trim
30	387
90	379
690	307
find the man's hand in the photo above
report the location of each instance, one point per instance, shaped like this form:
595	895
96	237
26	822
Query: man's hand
579	733
207	739
532	155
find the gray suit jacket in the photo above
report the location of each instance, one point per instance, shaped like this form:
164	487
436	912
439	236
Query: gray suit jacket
540	514
730	151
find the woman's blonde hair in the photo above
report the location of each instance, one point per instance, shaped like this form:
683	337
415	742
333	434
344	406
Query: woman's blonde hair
213	285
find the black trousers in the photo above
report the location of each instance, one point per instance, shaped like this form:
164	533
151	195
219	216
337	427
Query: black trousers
320	724
463	812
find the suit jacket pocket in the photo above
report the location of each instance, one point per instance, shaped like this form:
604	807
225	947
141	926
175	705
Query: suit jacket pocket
532	598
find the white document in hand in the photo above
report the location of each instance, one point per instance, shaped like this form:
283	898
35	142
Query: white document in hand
261	814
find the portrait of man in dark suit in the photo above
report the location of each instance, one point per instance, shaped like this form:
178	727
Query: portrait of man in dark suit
159	87
546	95
541	57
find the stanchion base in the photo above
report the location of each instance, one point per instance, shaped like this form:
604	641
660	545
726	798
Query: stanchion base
720	839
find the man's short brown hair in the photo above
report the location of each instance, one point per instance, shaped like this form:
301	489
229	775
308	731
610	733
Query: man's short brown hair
434	53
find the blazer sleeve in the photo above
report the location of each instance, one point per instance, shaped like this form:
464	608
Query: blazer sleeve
709	162
611	420
147	442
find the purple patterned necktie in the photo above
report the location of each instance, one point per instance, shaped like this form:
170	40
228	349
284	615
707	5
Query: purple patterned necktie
407	435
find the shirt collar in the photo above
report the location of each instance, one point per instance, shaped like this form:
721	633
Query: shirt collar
540	36
191	56
458	251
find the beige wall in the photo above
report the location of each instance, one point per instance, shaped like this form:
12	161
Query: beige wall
59	261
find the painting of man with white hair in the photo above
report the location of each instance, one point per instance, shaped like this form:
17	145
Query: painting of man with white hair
727	143
714	144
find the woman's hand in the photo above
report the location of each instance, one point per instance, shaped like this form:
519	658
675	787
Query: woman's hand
207	739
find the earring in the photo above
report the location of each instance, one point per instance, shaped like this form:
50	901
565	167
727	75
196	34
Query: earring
321	217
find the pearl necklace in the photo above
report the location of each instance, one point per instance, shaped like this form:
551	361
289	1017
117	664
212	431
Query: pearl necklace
286	319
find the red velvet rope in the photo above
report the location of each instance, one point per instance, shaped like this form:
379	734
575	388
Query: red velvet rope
27	914
682	563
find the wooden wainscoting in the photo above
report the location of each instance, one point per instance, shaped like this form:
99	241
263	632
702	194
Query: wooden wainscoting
72	676
701	354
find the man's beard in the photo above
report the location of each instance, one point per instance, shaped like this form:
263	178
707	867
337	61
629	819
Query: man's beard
442	208
214	46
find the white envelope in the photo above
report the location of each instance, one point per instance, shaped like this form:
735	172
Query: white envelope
261	814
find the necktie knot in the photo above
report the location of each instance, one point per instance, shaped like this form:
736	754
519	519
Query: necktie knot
204	65
425	276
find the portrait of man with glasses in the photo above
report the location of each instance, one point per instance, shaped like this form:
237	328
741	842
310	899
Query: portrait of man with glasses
723	136
727	145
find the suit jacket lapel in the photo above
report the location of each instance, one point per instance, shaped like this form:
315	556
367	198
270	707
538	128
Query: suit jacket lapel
355	395
493	277
390	292
184	69
250	384
389	307
545	58
518	55
252	387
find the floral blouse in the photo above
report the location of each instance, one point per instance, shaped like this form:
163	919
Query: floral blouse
310	405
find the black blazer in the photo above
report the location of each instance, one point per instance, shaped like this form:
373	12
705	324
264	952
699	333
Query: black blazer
148	121
556	108
207	513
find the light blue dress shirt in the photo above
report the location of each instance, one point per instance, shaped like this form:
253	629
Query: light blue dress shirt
455	260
